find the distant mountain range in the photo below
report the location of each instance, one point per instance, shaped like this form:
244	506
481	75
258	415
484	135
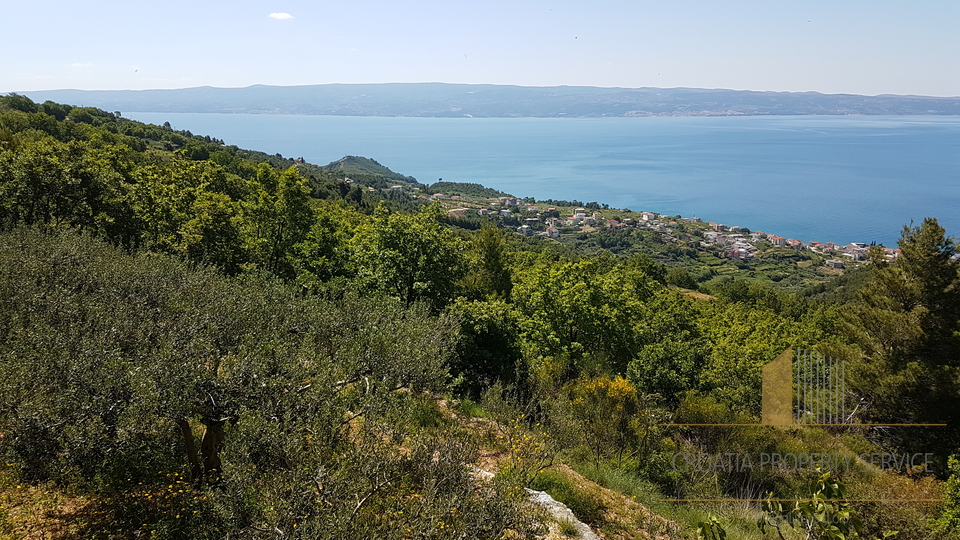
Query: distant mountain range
484	100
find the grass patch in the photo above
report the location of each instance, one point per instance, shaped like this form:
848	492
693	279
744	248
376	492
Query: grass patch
563	490
739	519
710	260
44	511
424	412
568	529
469	409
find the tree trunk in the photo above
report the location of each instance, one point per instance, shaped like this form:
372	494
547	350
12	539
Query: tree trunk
191	447
210	446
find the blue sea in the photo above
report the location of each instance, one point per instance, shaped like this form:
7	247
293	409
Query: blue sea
828	178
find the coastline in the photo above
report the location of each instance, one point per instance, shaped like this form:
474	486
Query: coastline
841	179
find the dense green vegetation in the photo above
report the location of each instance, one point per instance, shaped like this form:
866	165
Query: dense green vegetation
312	410
368	172
219	342
468	189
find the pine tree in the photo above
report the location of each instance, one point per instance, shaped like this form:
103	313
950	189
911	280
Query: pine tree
908	324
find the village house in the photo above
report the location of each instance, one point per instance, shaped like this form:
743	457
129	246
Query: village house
741	244
856	251
579	217
739	253
723	240
776	240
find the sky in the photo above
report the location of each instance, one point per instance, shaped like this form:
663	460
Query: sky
836	46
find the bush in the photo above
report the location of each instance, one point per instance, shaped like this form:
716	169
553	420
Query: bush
678	277
313	413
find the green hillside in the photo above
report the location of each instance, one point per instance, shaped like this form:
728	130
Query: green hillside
466	189
361	167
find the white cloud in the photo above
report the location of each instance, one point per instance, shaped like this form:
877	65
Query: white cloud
81	65
280	16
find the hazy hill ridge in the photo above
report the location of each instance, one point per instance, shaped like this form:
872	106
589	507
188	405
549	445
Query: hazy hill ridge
483	100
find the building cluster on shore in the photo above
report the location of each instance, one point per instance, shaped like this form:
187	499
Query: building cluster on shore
741	248
735	242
